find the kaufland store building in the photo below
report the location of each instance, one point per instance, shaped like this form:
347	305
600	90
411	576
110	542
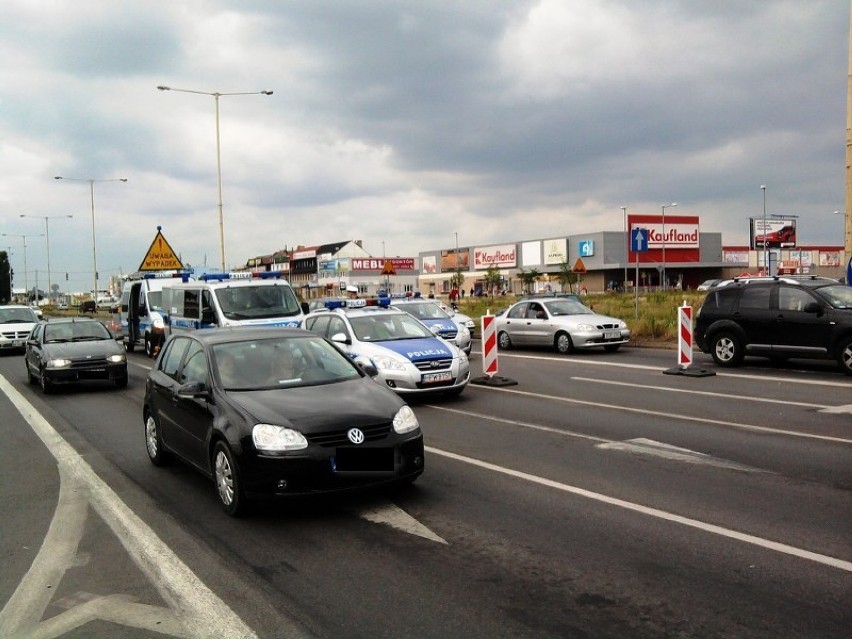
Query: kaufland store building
603	260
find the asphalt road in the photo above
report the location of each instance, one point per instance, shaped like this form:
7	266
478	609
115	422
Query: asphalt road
596	498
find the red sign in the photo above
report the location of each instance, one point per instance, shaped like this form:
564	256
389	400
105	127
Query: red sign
676	235
380	263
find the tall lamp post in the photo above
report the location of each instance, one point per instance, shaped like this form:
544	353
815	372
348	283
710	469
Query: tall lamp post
765	247
26	280
626	244
91	182
216	95
663	272
46	219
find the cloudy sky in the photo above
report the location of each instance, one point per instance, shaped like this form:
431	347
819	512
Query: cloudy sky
404	123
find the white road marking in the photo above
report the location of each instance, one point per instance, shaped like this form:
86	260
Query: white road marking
775	546
395	517
689	418
644	446
837	410
645	367
194	610
687	391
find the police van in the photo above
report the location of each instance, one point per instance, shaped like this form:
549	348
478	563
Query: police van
141	309
231	299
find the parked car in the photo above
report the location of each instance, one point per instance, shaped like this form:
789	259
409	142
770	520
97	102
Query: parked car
706	285
16	322
271	412
68	350
562	323
778	318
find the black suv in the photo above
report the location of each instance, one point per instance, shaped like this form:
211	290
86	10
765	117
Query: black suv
779	318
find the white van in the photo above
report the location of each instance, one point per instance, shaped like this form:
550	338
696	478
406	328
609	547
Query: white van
141	311
235	299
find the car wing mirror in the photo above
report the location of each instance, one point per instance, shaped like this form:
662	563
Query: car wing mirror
812	307
435	329
340	338
369	369
306	308
192	390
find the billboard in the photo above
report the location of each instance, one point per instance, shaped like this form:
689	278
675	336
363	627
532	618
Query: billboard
504	256
772	233
378	263
555	251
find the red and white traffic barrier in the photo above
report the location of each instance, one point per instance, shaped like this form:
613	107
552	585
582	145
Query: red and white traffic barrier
684	341
490	365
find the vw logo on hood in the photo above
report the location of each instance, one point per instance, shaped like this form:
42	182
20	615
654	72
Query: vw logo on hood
355	435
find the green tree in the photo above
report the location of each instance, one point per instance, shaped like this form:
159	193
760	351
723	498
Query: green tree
492	279
567	276
529	278
457	278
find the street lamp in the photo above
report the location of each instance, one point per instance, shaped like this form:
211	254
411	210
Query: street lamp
626	244
46	218
26	280
663	272
765	248
91	182
216	95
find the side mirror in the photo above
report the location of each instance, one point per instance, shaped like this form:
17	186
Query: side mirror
207	316
369	369
435	329
812	307
306	308
340	338
192	390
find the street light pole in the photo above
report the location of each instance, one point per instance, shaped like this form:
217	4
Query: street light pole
26	279
765	248
626	245
663	272
46	218
216	95
91	182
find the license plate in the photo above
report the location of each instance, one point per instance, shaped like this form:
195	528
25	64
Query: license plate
17	342
431	378
364	459
612	334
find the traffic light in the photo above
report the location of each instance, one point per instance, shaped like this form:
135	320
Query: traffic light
66	277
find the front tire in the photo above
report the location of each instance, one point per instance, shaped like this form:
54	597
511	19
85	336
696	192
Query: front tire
154	442
46	384
727	349
32	379
226	474
844	355
149	346
563	343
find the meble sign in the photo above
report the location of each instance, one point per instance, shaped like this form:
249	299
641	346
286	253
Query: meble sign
505	255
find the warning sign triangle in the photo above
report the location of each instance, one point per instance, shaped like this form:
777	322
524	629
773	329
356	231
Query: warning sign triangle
388	269
579	266
160	256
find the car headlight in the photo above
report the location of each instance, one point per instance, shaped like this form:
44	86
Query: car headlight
158	323
58	363
622	324
116	359
270	438
462	357
405	420
586	327
384	362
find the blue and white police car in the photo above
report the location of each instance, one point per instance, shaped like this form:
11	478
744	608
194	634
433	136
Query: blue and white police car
436	319
409	357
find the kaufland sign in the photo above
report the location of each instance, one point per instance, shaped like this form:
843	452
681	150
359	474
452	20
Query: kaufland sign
504	256
677	235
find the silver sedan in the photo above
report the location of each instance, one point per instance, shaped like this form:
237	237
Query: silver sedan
564	324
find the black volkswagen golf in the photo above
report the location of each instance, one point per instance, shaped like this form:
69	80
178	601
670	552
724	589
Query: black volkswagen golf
271	412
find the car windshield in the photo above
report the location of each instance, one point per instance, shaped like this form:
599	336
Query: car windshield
75	332
17	316
838	296
386	327
280	362
256	302
426	311
567	306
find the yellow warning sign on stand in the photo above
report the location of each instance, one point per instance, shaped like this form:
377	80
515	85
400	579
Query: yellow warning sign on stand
160	256
579	266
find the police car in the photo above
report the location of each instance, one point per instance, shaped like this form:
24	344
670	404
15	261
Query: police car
431	314
408	356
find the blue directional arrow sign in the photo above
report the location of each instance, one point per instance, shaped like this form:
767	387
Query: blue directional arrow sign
639	240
